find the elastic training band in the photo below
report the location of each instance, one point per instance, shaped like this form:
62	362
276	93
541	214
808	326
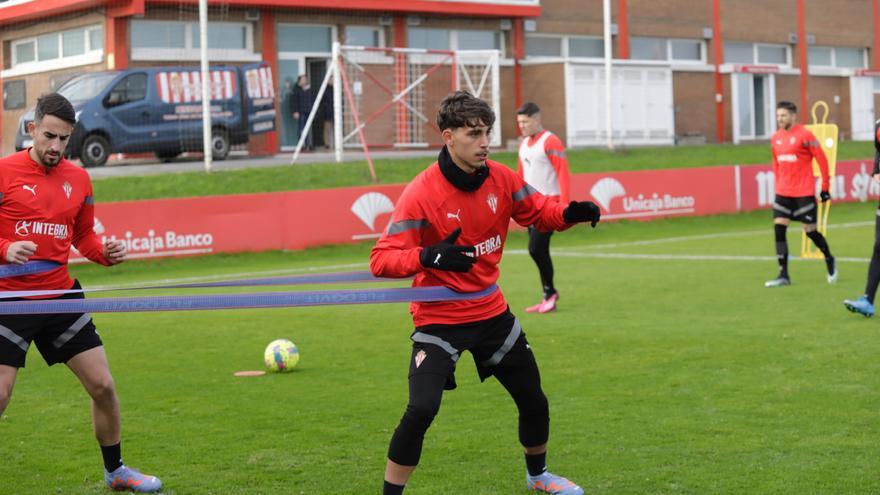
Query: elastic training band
29	268
240	301
318	278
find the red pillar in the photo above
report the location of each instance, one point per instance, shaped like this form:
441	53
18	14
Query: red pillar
116	42
802	54
400	79
622	30
269	144
718	49
518	56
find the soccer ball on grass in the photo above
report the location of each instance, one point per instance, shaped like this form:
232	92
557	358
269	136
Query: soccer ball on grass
281	355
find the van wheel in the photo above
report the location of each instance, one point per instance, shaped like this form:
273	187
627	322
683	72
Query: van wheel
167	155
95	151
219	144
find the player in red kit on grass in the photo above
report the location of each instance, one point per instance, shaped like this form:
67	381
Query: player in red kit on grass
448	229
543	165
46	205
794	148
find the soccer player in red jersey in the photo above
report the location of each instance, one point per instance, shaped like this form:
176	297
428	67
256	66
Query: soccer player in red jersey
864	305
448	229
46	205
794	148
543	165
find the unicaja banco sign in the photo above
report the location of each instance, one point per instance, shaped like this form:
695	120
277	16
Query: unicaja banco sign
607	190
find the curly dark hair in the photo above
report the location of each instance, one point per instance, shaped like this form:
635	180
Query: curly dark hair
462	109
57	105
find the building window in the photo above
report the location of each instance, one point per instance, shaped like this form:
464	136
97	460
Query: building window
739	53
851	58
24	52
821	56
293	38
179	40
13	95
676	50
221	36
750	54
543	46
52	47
586	47
428	38
686	50
478	40
772	55
363	36
648	48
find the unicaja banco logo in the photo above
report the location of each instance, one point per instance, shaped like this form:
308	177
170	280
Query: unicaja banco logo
605	190
367	208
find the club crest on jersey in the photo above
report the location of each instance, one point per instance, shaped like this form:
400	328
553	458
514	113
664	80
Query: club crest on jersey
67	189
493	202
791	140
420	356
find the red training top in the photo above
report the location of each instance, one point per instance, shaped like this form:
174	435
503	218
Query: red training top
51	207
431	208
793	153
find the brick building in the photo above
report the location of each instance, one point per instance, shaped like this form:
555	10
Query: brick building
683	71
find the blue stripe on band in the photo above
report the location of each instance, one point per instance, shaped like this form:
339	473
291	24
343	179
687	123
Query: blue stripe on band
323	278
240	301
29	268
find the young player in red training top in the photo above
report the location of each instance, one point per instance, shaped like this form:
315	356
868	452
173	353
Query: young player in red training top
794	149
543	165
46	205
448	229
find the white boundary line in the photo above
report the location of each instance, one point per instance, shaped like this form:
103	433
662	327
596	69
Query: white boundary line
686	257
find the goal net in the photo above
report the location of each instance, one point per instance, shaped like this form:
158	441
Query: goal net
387	98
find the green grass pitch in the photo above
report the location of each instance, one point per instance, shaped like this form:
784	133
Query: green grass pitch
670	369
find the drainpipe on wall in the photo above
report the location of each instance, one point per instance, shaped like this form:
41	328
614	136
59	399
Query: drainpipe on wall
802	54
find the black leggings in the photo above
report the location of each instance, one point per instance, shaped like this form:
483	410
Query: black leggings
425	391
874	267
539	249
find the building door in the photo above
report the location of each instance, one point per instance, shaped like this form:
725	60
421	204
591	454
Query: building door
754	102
861	90
289	72
302	49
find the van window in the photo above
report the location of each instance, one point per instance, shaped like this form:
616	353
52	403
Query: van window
85	87
132	88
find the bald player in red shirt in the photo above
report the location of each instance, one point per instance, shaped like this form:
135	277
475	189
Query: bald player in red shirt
46	205
448	229
794	148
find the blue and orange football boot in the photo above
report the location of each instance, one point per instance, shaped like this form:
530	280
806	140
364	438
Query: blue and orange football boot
126	478
548	482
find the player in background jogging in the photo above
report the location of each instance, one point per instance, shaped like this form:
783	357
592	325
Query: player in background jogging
543	165
794	148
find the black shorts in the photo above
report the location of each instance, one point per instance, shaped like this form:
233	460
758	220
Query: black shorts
494	343
801	209
59	337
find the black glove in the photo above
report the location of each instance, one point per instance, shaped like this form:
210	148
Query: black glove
445	255
582	211
824	196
